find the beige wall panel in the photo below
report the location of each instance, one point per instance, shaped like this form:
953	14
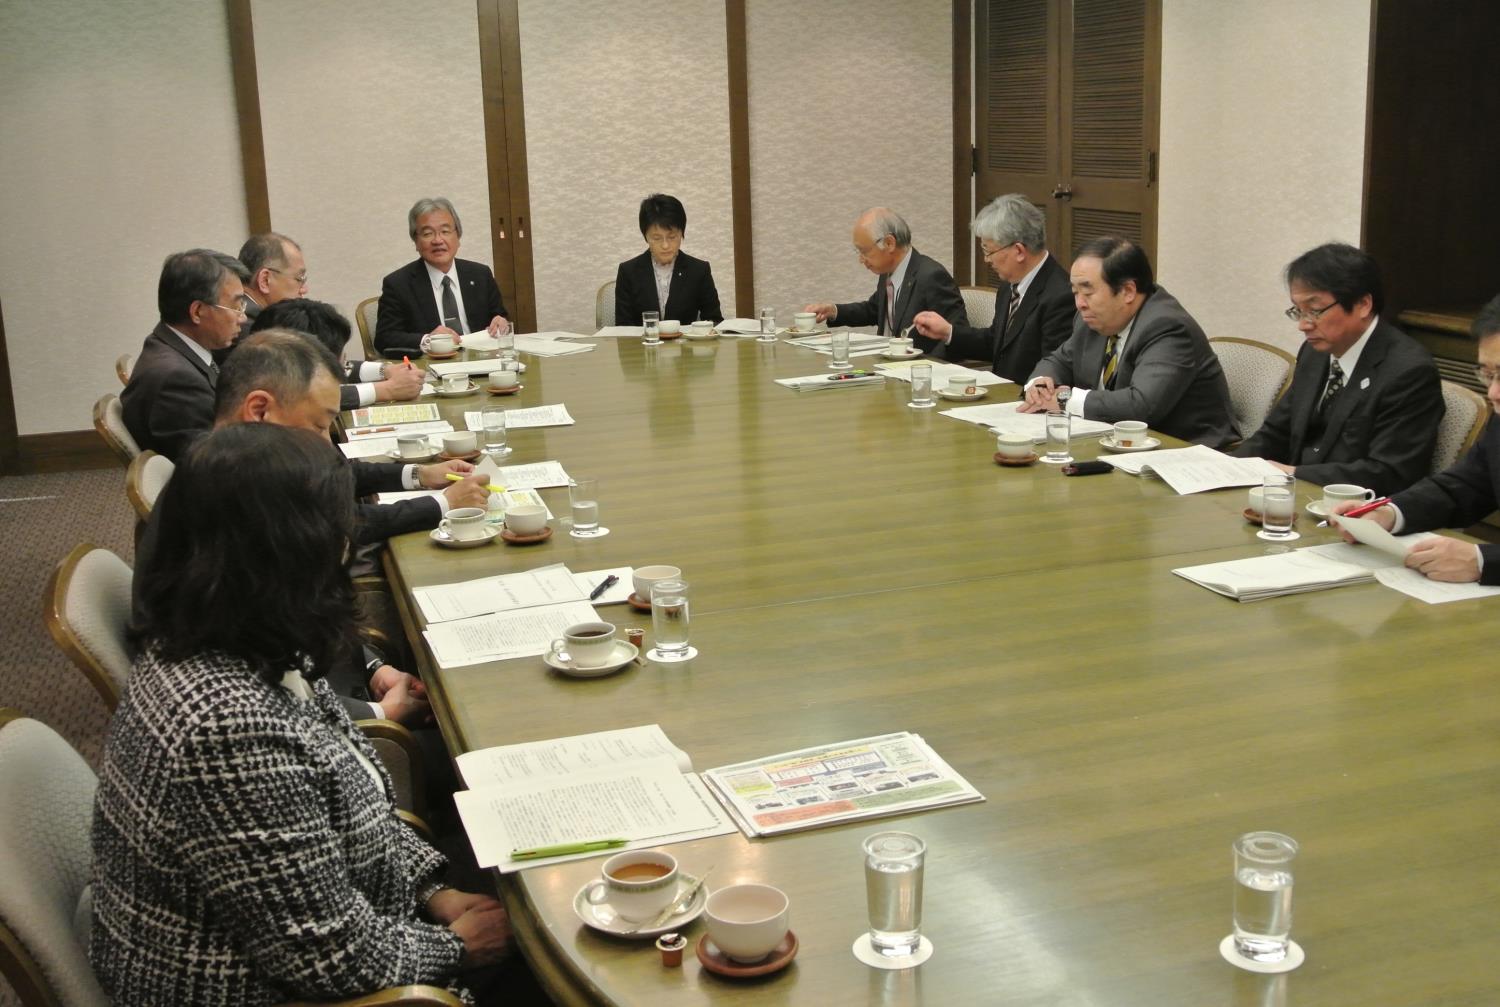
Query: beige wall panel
850	107
1262	151
118	145
622	101
366	107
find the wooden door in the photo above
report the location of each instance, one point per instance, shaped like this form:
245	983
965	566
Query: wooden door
505	155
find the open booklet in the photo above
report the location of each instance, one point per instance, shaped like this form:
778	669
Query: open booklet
844	782
1003	418
1274	575
1194	469
630	784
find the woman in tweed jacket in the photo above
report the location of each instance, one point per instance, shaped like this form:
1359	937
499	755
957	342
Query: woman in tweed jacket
246	846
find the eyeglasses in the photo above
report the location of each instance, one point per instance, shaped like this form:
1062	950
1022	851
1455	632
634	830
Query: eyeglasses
1297	314
990	252
224	307
301	277
664	239
1487	375
864	253
427	234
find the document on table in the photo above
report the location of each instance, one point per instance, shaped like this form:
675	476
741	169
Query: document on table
548	346
620	332
1390	570
521	419
382	445
396	414
390	431
546	585
941	372
860	344
827	382
537	475
470	367
1003	418
1274	575
617	593
739	327
1194	469
526	632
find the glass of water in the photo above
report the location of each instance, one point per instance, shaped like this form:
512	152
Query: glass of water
669	621
921	387
1278	507
1059	438
493	418
893	891
1263	895
583	495
838	343
767	325
651	328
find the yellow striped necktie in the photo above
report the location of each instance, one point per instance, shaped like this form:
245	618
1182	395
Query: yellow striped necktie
1111	361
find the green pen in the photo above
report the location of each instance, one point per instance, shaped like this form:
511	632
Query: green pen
565	849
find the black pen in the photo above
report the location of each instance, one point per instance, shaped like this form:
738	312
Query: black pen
609	582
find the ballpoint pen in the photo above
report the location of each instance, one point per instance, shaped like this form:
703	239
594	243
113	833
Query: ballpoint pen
1357	511
454	477
565	849
407	361
605	585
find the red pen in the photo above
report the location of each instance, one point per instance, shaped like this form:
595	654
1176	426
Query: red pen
407	361
1360	511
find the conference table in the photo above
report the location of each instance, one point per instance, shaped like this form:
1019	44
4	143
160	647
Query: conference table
858	567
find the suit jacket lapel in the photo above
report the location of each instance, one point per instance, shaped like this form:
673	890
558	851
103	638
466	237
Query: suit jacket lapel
1306	391
1369	363
1027	305
421	293
904	295
169	337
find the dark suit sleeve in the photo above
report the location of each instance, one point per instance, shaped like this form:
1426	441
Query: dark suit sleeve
1273	441
857	313
378	522
1058	365
348	397
625	313
1458	496
1163	371
396	323
180	412
377	477
942	295
708	298
970	343
493	303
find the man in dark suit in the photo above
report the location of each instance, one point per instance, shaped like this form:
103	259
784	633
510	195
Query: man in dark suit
909	283
1135	353
664	278
1034	306
1461	495
1365	400
169	399
439	293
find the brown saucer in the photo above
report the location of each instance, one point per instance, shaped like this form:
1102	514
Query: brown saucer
670	335
445	456
441	356
504	391
715	960
1254	516
638	603
1014	463
511	538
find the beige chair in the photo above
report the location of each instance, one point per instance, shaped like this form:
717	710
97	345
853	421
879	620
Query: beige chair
87	611
364	316
1463	421
1257	373
124	364
47	791
111	426
401	754
979	303
604	306
145	479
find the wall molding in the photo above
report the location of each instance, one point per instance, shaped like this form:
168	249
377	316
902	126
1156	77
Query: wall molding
64	451
247	107
963	141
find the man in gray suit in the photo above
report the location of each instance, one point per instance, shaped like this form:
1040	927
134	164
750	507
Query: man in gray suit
909	281
1135	353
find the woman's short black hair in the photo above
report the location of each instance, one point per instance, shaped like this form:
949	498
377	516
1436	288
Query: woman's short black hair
320	320
664	211
250	553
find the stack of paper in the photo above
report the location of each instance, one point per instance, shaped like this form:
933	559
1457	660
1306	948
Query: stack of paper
826	382
520	419
500	636
547	585
1004	418
620	332
381	445
1385	558
551	344
1194	469
469	367
396	414
860	344
512	477
941	372
739	327
1272	576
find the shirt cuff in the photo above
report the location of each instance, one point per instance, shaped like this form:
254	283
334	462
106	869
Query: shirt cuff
371	371
423	343
1075	401
1400	520
410	478
366	394
378	711
1479	559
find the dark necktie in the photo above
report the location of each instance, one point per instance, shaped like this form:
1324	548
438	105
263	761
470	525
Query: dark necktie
1111	359
213	375
1010	311
890	307
1335	385
450	307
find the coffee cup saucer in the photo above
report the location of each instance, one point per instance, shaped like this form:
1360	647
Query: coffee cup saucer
445	456
1010	462
442	538
516	538
667	337
701	334
397	456
901	354
715	960
434	355
603	919
1317	510
444	393
504	391
620	657
638	603
1107	442
979	393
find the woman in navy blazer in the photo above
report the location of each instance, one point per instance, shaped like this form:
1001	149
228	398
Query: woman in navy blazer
689	282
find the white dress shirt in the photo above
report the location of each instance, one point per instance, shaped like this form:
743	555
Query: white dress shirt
436	276
1076	395
663	282
198	351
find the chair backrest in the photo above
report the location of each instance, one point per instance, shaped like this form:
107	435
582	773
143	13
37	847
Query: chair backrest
1463	421
364	317
124	364
87	611
47	797
145	479
110	423
1257	373
979	302
604	306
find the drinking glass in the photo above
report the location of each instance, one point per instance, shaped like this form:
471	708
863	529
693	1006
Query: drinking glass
669	620
839	345
509	357
650	321
767	326
1059	438
1263	895
493	418
583	494
893	891
505	342
1278	507
921	387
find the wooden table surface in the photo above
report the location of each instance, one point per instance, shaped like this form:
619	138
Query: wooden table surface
858	567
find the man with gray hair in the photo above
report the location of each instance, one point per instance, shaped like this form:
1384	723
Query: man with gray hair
277	272
439	293
909	283
1034	306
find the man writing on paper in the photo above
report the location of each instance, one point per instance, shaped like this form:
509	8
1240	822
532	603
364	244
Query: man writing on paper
1135	353
1458	496
439	293
323	322
1365	400
1034	306
909	281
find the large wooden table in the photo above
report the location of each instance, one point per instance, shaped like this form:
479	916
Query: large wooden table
858	567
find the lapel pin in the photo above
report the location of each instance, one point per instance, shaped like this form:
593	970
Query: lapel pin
1364	384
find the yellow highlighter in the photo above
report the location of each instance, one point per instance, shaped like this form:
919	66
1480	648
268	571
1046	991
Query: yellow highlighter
454	477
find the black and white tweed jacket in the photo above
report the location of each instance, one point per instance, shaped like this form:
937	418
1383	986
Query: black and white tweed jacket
242	853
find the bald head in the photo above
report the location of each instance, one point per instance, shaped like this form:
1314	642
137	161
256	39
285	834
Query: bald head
881	239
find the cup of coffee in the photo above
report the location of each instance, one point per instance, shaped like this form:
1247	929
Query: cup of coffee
701	325
412	446
440	344
465	524
1337	493
898	345
804	321
747	921
1256	499
526	519
460	442
962	386
1130	433
584	644
1015	446
637	884
669	327
646	577
505	377
455	382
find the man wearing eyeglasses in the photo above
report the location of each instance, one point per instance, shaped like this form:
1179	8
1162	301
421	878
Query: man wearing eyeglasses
1461	495
169	399
1365	400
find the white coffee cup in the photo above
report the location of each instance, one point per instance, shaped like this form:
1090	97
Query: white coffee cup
701	325
460	442
1015	446
804	321
505	377
962	386
1257	499
455	382
1130	433
899	345
413	446
669	327
637	884
526	519
440	344
646	576
584	644
747	921
465	524
1337	493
